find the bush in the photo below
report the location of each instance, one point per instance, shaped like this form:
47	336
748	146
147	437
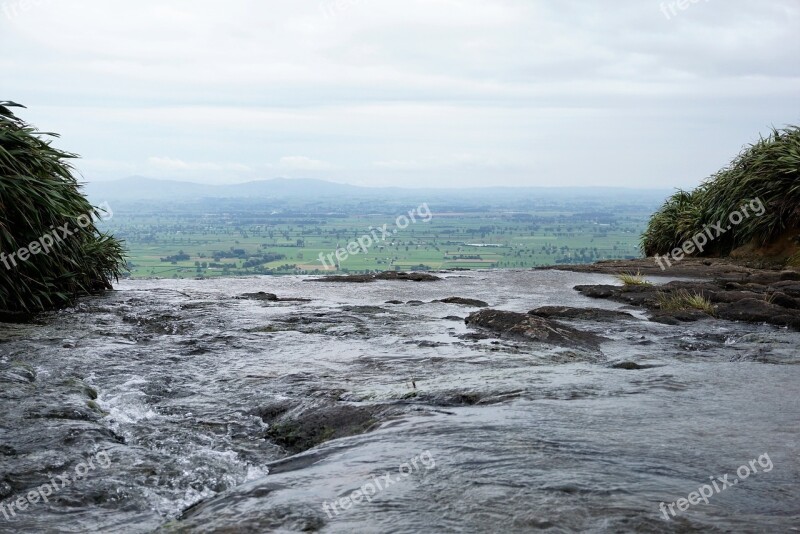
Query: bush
39	196
768	170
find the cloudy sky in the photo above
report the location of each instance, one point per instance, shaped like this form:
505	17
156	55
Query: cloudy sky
446	93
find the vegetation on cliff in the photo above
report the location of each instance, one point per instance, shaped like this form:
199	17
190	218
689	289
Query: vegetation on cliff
51	251
768	170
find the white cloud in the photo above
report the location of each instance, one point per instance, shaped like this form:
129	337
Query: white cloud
422	92
302	163
173	164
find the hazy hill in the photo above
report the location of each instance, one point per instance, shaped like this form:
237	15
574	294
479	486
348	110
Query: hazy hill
141	188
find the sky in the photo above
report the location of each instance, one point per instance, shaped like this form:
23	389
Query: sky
408	93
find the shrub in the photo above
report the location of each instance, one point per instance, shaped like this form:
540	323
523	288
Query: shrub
768	170
38	196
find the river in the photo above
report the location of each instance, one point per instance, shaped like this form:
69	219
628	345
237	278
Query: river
155	404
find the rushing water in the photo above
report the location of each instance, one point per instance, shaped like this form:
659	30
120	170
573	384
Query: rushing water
163	385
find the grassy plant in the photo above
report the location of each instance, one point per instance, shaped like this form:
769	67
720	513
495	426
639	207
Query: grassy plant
630	279
768	170
38	193
682	300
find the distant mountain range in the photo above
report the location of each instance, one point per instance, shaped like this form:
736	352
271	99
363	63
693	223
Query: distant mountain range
141	188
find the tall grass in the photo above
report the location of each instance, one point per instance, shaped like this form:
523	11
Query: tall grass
38	193
630	279
768	170
682	300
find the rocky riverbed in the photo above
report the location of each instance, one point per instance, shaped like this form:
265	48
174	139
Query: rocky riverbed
496	401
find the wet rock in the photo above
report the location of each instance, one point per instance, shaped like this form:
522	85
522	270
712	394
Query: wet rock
475	303
731	296
269	297
394	302
413	277
159	324
645	296
597	291
5	489
588	314
631	366
415	303
297	433
77	413
272	411
531	328
7	450
387	275
784	301
365	310
425	344
674	318
735	301
790	288
701	268
453	318
790	275
445	399
759	311
18	373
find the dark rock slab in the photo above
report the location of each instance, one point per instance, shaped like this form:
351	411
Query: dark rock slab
791	288
632	366
759	311
784	301
587	314
464	302
526	327
300	432
388	275
646	296
674	318
269	297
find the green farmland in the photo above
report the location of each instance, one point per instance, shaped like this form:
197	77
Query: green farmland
236	238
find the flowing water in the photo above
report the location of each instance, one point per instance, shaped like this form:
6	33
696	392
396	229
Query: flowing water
159	395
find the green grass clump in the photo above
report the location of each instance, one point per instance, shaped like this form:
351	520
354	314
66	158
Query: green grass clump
768	170
39	195
682	300
630	279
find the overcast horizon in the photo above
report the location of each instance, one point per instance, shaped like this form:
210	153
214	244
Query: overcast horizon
442	93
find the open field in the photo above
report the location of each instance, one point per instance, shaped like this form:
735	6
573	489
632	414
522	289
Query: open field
245	237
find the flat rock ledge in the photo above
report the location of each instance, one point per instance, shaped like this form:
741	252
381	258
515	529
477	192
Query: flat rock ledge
525	327
771	297
388	275
581	314
461	301
269	297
